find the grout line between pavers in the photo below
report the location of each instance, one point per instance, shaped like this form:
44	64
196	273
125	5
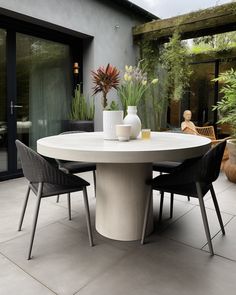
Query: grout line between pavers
200	249
225	189
75	212
34	278
221	211
221	256
28	233
177	219
218	233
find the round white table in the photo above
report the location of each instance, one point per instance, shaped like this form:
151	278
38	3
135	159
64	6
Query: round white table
122	171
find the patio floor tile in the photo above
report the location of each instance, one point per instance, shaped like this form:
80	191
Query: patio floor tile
14	280
62	258
226	245
166	268
189	228
226	200
63	262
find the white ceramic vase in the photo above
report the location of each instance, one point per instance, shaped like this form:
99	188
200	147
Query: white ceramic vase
133	120
110	120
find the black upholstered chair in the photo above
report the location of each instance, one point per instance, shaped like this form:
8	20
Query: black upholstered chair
45	181
193	178
71	167
167	167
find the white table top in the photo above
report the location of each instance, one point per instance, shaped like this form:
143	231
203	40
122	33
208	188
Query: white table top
91	147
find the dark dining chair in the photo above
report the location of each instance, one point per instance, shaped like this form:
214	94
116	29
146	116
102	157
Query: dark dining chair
167	167
71	167
45	181
194	177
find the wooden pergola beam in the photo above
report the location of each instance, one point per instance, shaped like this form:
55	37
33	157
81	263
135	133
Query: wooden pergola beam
210	21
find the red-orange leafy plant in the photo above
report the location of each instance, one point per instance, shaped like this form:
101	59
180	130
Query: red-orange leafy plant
104	79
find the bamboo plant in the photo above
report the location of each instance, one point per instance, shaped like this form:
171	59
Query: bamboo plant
81	109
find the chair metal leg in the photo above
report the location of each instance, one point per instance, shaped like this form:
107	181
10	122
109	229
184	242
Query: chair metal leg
88	220
94	182
204	217
69	205
161	206
24	208
217	209
171	204
58	197
146	213
39	194
188	198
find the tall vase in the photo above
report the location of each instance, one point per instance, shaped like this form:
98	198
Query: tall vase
110	120
133	120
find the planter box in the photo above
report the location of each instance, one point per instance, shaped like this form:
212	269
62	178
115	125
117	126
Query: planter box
70	125
230	165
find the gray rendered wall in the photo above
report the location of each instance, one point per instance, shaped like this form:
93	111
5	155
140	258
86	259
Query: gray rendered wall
110	25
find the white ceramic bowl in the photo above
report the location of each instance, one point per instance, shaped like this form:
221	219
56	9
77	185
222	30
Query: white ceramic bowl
123	132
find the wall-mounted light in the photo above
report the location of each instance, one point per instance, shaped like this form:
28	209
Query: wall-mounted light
117	27
76	68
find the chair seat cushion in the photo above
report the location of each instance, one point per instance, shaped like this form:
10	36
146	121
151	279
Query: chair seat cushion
77	167
165	166
53	189
185	189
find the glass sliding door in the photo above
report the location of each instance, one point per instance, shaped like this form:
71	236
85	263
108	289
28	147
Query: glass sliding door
43	77
35	93
3	105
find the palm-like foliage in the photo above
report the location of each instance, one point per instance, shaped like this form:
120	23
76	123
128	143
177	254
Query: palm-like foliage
104	79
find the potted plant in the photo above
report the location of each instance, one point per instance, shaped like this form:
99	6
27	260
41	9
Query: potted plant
105	79
131	91
82	113
227	112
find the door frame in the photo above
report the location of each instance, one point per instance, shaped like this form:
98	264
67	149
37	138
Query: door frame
11	98
12	27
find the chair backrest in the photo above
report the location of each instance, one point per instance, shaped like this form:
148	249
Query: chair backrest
33	165
37	169
207	131
209	167
205	169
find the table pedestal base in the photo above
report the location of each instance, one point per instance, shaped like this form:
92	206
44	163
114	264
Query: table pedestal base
120	200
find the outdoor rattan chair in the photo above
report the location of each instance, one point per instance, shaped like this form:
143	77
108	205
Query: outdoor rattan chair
71	167
206	131
209	132
192	178
45	181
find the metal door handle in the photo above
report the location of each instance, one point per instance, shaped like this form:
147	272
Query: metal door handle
13	106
